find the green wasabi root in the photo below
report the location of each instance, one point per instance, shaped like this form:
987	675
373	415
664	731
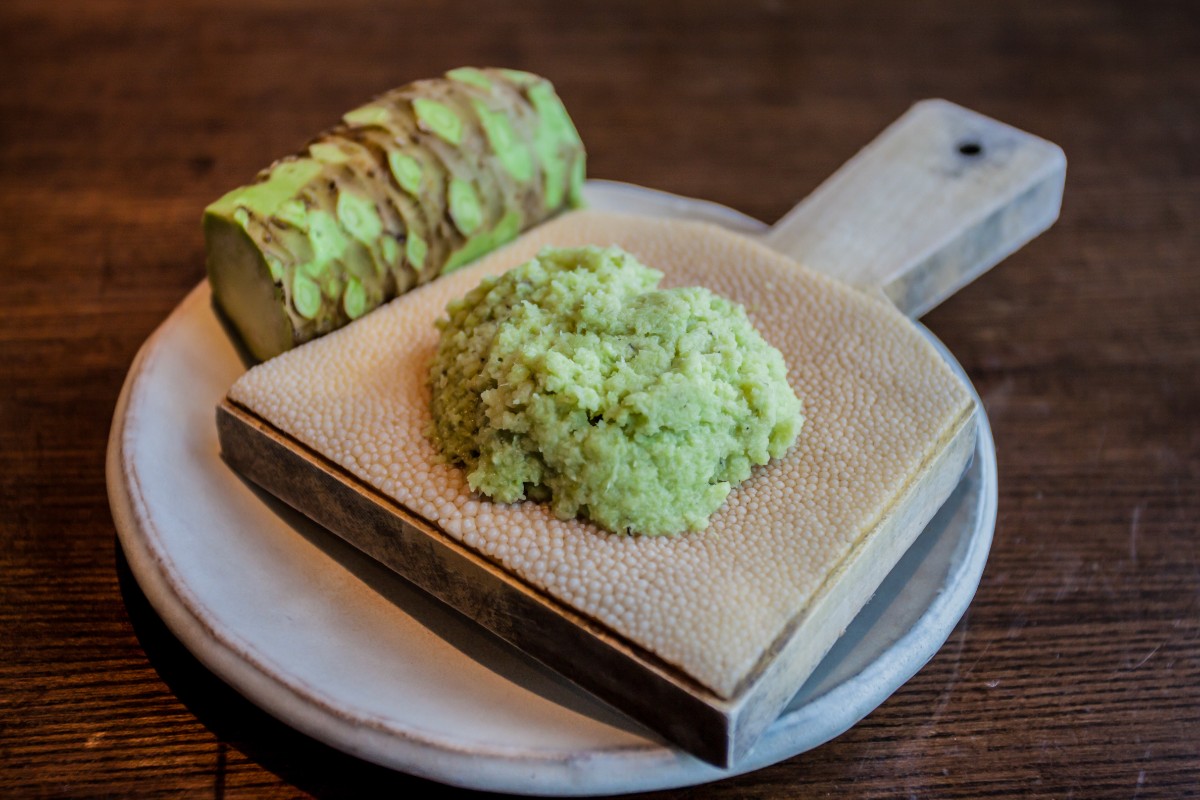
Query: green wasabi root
418	182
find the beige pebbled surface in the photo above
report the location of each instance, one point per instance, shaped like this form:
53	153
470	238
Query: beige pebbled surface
878	400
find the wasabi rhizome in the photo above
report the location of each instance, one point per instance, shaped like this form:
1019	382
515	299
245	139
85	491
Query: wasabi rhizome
416	183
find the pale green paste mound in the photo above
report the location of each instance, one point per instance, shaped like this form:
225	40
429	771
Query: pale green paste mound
573	378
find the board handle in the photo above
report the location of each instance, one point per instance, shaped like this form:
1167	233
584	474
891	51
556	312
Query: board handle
938	198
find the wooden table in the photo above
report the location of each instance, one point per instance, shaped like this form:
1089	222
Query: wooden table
1076	671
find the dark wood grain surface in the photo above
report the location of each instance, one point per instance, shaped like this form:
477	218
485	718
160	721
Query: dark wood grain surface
1076	671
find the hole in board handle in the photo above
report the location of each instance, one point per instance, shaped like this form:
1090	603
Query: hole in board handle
970	148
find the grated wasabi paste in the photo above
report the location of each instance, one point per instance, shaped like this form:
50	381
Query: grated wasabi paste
574	379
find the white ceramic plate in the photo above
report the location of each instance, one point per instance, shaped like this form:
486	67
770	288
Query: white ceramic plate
341	649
